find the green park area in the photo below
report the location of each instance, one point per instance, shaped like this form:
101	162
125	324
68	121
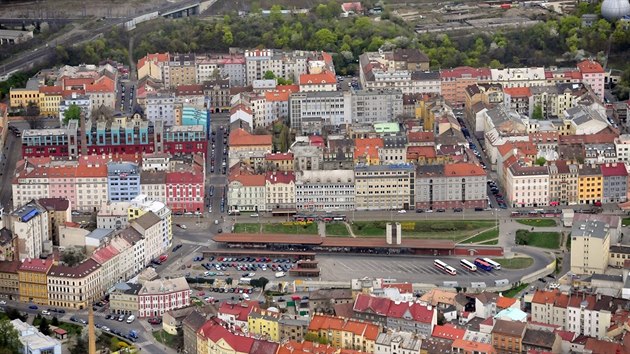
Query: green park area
537	222
294	228
484	237
549	240
514	263
455	230
337	229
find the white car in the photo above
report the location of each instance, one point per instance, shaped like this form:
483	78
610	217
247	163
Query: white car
45	313
2	302
249	275
183	226
105	328
402	211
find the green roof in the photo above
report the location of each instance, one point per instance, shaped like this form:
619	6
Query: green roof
386	127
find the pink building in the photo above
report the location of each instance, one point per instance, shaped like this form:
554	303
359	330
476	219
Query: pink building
159	296
455	81
185	185
593	74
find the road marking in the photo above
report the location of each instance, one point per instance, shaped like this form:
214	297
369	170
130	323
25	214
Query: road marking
343	265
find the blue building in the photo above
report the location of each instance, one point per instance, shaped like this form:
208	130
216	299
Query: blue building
123	181
195	116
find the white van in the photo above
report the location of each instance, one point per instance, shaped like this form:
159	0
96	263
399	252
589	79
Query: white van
280	274
131	318
245	297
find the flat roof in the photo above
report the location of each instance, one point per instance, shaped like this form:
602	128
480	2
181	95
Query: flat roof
332	241
268	238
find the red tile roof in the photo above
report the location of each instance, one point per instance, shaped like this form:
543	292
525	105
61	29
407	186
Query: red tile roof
518	91
565	335
403	288
239	310
277	96
590	67
157	57
463	169
316	140
372	304
326	78
36	265
249	180
279	156
280	177
240	107
415	152
505	302
448	331
102	84
51	90
386	307
189	90
104	254
367	330
307	347
240	137
466	346
421	137
367	147
555	298
465	72
614	169
214	331
288	88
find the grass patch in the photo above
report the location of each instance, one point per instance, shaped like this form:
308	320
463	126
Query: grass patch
514	263
549	240
246	228
337	229
514	291
165	338
72	329
484	236
568	244
491	242
537	222
291	228
455	230
625	221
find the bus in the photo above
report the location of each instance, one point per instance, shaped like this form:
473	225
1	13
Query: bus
467	265
444	267
494	264
480	263
339	218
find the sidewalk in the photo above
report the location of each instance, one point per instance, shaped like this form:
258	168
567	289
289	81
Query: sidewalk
507	234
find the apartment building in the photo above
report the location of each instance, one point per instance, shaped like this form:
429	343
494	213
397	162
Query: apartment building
591	315
124	299
111	271
397	342
231	67
22	97
293	329
82	101
123	181
345	333
330	108
151	66
550	307
281	162
161	295
324	190
153	185
527	186
590	184
150	227
318	82
518	77
593	74
519	99
462	346
32	278
307	156
459	185
376	105
30	225
563	183
615	182
247	192
280	190
247	148
394	150
286	65
384	187
75	287
264	324
455	81
185	184
590	244
366	151
136	250
161	106
49	99
9	280
180	70
236	313
404	69
507	336
622	147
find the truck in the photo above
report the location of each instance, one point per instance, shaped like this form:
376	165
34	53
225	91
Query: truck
280	274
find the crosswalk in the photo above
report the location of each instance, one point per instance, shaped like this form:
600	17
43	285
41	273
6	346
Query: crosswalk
393	268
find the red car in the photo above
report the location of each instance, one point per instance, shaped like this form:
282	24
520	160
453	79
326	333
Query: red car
201	293
154	320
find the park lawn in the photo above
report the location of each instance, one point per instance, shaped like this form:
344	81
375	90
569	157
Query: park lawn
455	230
307	229
337	229
484	236
514	291
537	222
164	338
569	243
549	240
491	242
246	228
71	328
514	263
625	221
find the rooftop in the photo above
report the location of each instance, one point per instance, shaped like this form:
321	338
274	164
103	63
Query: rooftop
163	286
81	270
36	265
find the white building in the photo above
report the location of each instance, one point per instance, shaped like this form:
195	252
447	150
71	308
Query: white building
286	65
518	77
398	342
374	106
159	296
30	225
280	190
622	147
33	341
329	190
333	108
247	192
111	271
590	245
150	227
161	106
527	186
324	81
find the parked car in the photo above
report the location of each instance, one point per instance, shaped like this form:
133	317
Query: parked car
177	247
154	320
33	307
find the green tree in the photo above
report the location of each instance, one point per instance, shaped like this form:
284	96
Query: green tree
262	283
72	113
44	327
269	75
541	161
228	37
537	113
55	321
324	39
229	281
10	338
80	347
275	14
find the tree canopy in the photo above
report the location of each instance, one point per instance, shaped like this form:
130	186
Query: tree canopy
72	113
10	338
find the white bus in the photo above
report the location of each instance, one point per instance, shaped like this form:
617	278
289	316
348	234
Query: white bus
444	267
468	265
494	264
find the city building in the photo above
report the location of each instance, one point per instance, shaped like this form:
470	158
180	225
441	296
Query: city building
75	287
593	75
507	336
150	226
32	341
151	66
180	69
293	329
32	277
345	333
384	187
326	108
185	184
248	148
280	190
519	99
590	244
397	342
246	191
123	181
264	324
320	82
30	224
455	81
324	190
123	300
378	105
526	186
9	281
541	340
563	183
159	296
550	307
518	77
59	212
615	182
458	185
236	314
590	184
111	271
286	65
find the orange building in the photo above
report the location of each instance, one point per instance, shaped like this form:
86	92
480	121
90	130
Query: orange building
366	150
455	81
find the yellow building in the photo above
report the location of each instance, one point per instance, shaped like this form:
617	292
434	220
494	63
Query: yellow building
49	99
9	282
264	324
345	333
151	66
74	287
590	184
33	278
21	97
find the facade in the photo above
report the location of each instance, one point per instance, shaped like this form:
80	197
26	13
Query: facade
550	307
237	313
590	243
331	108
180	69
345	333
32	277
74	287
563	183
455	81
527	186
247	148
590	184
507	336
9	281
384	187
280	190
124	299
33	341
159	296
293	329
264	324
374	106
247	192
397	342
459	185
59	212
123	181
150	226
593	75
111	271
615	183
185	184
324	190
394	150
30	226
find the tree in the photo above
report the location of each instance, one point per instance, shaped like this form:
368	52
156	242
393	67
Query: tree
541	161
44	327
538	113
72	113
10	338
80	347
15	314
262	283
269	75
228	281
440	318
324	39
55	321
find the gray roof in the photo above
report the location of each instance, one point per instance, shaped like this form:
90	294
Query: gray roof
539	338
607	277
405	340
425	75
147	220
590	229
99	234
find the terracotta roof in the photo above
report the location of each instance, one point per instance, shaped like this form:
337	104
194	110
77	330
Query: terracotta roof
280	177
326	78
102	255
239	310
321	322
240	107
307	347
157	57
352	6
263	347
505	302
240	137
277	96
418	312
102	84
9	266
463	169
518	91
372	304
595	345
316	140
367	147
614	169
403	288
249	180
448	331
189	90
279	156
509	328
417	137
214	331
466	346
590	67
36	265
437	296
288	88
415	152
51	90
469	73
